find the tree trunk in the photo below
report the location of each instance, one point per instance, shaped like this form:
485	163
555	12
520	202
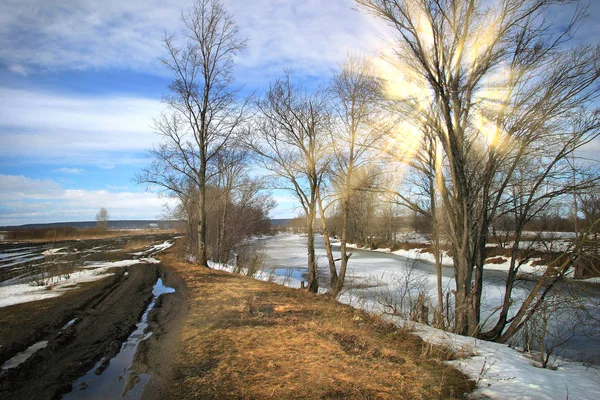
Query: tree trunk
202	252
462	295
543	285
343	243
330	259
221	250
313	279
496	331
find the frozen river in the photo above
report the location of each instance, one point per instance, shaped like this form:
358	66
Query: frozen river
378	280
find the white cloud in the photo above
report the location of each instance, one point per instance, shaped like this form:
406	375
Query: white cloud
14	187
18	69
66	170
80	129
82	34
308	35
25	200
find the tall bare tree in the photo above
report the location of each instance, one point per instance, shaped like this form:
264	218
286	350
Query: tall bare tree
495	83
355	90
291	139
204	109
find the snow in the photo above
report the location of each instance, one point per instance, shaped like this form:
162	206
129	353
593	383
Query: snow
529	267
68	324
155	249
24	292
150	260
592	280
424	256
54	251
161	247
502	372
24	355
14	291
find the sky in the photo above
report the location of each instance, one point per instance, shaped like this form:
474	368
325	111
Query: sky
80	81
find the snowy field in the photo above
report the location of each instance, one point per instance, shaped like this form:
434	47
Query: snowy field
34	279
501	372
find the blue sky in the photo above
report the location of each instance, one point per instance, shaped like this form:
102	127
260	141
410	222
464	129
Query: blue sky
80	82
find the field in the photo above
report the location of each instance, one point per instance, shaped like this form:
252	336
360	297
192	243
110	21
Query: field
78	300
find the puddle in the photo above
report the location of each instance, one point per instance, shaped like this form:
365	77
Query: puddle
24	355
118	380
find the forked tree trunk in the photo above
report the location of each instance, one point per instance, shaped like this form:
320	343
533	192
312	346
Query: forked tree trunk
328	251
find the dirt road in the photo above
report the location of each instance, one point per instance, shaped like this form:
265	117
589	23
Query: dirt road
105	316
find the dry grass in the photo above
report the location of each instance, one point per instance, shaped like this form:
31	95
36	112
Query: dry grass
137	244
64	234
248	339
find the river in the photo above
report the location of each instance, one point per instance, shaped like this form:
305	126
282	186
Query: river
378	281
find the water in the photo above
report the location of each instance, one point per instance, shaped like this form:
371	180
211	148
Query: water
118	380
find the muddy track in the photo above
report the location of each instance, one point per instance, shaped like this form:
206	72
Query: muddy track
155	355
104	321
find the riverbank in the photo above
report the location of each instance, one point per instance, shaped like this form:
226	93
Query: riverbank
243	338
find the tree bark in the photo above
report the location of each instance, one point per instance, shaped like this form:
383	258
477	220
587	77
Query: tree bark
313	278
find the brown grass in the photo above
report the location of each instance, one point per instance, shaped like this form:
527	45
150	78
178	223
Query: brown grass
137	244
246	339
69	233
495	260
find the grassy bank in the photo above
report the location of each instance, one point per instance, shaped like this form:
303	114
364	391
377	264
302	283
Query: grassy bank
243	338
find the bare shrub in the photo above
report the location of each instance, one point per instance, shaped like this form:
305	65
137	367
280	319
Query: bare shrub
406	294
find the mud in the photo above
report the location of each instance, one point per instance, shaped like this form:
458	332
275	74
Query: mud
155	355
17	260
103	323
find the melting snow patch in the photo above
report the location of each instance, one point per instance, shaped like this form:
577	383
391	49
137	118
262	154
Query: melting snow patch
150	260
24	293
502	372
24	355
68	324
50	252
161	247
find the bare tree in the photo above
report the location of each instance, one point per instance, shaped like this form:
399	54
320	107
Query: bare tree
102	218
355	90
291	140
496	86
230	166
204	110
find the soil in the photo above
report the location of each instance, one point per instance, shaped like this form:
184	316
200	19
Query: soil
155	355
106	313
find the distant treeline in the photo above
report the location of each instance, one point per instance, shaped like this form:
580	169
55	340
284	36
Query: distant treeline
117	224
121	224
